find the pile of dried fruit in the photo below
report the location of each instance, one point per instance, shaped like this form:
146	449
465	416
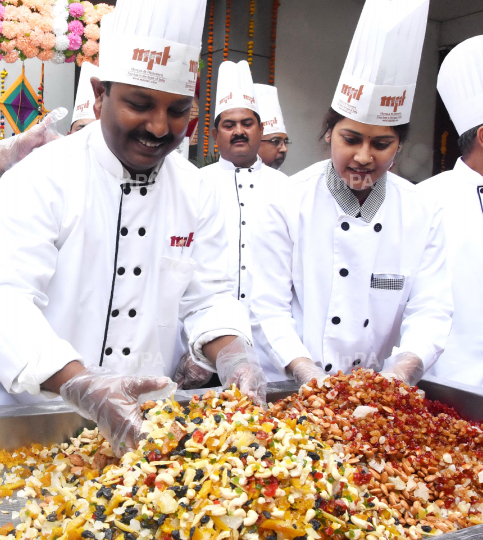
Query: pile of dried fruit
357	458
422	459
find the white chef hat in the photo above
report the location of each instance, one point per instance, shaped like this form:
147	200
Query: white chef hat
235	89
85	98
378	81
153	43
270	110
460	84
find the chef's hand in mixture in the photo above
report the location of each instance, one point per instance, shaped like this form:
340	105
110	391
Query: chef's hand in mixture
304	370
238	363
190	375
15	149
112	401
406	367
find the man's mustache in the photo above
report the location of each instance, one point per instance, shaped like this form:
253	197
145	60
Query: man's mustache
237	138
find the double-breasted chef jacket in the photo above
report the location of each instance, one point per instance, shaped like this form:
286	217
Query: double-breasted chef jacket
345	286
460	193
97	268
244	196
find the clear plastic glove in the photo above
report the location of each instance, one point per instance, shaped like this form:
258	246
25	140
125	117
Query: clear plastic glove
16	148
190	375
238	363
306	370
406	367
113	402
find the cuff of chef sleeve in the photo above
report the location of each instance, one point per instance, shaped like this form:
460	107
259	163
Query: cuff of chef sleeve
36	372
196	348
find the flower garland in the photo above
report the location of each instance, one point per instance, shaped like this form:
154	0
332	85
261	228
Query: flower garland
3	75
276	5
251	32
206	140
227	30
57	30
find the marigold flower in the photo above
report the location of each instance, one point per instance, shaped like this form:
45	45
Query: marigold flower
46	55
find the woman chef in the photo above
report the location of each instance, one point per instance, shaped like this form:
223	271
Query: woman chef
352	260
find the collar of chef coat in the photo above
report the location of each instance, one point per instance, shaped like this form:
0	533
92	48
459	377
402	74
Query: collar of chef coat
469	175
228	165
110	162
349	202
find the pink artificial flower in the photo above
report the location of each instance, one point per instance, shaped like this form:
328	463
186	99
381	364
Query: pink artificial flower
1	26
76	27
11	57
92	31
75	42
76	10
2	11
70	59
90	47
45	56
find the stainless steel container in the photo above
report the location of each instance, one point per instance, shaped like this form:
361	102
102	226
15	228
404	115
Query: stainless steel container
49	423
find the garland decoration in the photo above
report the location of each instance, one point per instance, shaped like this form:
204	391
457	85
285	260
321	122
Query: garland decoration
56	30
251	32
276	5
40	99
3	75
227	30
206	140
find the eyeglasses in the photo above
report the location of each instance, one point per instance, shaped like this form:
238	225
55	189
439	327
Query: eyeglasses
278	141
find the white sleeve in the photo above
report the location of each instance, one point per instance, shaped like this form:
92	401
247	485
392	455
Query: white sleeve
30	217
208	308
272	287
428	314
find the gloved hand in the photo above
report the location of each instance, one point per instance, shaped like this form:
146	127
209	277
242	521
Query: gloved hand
20	146
190	375
407	367
112	401
305	370
238	363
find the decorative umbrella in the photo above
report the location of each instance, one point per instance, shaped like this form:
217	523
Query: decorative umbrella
20	105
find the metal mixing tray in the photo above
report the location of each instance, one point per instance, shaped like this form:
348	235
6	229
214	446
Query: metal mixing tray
49	423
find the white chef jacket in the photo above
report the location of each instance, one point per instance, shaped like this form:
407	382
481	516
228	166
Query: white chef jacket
342	291
96	268
244	196
460	192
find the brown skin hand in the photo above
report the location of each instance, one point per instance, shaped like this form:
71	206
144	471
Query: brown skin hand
141	126
271	155
474	159
362	153
238	137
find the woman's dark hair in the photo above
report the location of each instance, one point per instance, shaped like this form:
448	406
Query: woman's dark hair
332	118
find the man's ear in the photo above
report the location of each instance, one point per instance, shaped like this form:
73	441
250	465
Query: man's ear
261	128
328	136
399	148
479	137
214	132
99	92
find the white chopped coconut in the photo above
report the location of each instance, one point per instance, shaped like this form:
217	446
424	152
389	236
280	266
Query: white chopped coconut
422	492
362	411
379	467
447	458
480	477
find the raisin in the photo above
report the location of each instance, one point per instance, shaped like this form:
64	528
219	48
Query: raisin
162	519
52	517
313	455
87	534
426	528
267	514
315	524
108	534
169	410
175	535
204	520
198	475
245	455
198	420
301	419
217	418
198	487
129	536
232	449
181	420
186	410
254	445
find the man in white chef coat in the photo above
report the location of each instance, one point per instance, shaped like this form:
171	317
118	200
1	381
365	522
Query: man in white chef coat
245	183
460	191
108	237
84	112
273	147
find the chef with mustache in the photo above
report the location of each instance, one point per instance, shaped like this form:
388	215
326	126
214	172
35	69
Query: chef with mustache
245	183
350	269
109	237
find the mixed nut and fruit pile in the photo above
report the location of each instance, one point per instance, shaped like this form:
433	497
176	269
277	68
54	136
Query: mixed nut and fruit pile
356	457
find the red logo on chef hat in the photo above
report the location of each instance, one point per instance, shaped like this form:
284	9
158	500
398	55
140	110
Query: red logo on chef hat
82	107
352	93
394	102
270	123
250	99
152	57
194	68
226	98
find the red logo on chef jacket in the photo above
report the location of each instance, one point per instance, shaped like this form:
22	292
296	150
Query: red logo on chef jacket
152	57
394	102
352	93
182	241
